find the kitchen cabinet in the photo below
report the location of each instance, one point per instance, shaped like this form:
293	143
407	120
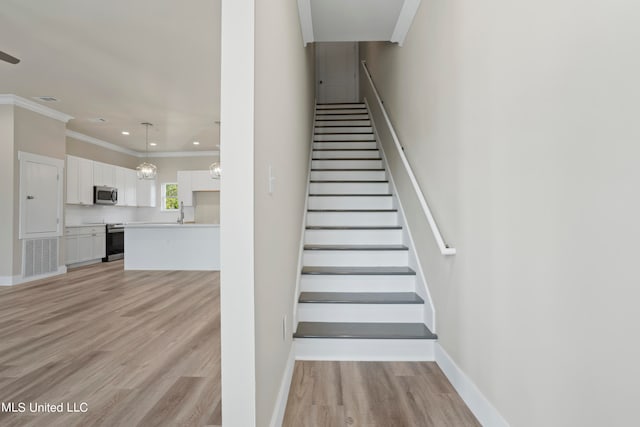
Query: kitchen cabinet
146	193
130	188
84	243
79	181
104	174
185	193
190	181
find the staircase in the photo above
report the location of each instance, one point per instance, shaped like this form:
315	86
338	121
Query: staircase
358	298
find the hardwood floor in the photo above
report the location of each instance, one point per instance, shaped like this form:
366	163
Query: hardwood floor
380	394
140	348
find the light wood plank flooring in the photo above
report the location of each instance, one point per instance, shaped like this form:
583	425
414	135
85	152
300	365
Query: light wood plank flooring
141	348
373	394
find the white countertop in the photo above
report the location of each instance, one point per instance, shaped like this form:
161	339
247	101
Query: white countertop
170	225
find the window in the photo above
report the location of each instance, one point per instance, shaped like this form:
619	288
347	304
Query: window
170	197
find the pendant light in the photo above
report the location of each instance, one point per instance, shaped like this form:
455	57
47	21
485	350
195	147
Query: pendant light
215	170
146	170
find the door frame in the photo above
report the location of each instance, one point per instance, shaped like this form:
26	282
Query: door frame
25	157
356	65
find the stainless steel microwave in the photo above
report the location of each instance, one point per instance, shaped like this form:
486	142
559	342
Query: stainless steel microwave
105	195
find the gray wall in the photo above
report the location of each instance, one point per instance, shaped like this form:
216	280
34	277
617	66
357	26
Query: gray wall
521	122
284	98
6	190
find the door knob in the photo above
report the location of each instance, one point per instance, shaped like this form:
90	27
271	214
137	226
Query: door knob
320	81
30	197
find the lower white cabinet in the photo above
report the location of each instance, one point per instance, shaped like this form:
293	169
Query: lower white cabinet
84	243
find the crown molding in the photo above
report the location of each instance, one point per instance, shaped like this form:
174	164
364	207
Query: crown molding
101	143
113	147
18	101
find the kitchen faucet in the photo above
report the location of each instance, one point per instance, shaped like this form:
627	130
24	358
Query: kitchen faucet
181	217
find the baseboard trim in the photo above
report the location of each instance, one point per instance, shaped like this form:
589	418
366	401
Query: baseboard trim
481	407
283	394
18	280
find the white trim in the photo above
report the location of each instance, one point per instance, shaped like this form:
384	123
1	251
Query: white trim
23	157
113	147
444	248
296	294
19	279
18	101
421	280
407	13
481	407
306	21
358	349
283	393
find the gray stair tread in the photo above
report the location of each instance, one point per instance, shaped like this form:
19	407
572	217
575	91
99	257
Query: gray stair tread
342	133
364	330
347	170
359	271
355	248
354	227
347	181
348	140
360	298
349	158
352	195
345	149
352	210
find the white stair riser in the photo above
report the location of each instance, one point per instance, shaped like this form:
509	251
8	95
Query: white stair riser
343	129
348	175
344	105
322	112
311	258
353	237
366	145
323	123
364	313
352	218
345	137
346	164
360	202
364	350
349	188
355	116
356	283
354	154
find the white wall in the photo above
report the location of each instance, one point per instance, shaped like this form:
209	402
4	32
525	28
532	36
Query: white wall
284	98
520	121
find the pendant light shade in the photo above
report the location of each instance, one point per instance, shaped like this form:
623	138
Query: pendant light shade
146	170
215	170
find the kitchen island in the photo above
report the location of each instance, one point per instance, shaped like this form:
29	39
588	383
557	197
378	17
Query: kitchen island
172	247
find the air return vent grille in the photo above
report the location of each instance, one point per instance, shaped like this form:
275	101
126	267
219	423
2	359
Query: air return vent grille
40	256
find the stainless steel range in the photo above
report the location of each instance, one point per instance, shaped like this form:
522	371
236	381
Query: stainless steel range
115	242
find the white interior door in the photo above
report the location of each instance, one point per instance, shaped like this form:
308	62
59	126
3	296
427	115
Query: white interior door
41	199
337	72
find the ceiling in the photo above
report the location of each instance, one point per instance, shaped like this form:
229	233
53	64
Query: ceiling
356	20
128	62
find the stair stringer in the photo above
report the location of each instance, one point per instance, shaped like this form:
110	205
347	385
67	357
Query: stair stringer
296	294
421	285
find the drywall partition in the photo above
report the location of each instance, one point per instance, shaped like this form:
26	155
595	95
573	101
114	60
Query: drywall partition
6	192
284	97
519	121
236	214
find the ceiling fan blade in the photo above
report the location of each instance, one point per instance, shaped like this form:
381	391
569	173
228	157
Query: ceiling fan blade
8	58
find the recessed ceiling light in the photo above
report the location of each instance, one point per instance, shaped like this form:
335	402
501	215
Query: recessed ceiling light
153	144
196	143
124	132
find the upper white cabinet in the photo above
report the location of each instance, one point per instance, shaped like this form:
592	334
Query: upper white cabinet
130	187
145	192
79	181
104	174
190	181
185	193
